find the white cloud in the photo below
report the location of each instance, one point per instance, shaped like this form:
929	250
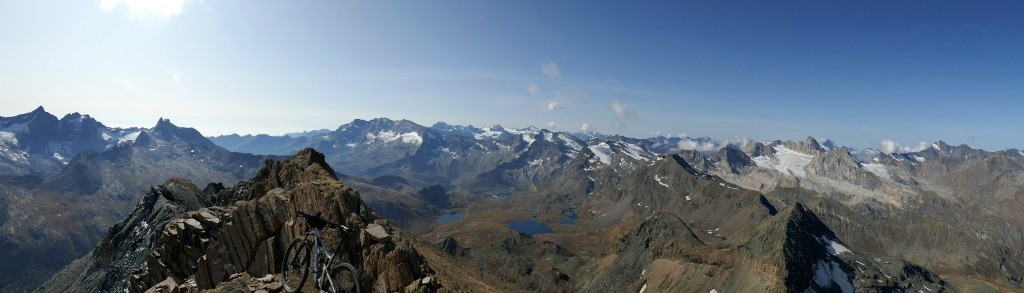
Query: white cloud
178	83
694	145
552	125
621	111
921	145
889	147
143	9
551	70
533	89
744	141
553	105
585	127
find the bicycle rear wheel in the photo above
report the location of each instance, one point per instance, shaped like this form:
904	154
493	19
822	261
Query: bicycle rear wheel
295	265
344	278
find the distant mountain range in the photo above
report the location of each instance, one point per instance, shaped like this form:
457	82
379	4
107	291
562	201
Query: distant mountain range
65	181
657	214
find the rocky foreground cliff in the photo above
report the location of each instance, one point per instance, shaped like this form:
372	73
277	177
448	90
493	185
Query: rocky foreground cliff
232	239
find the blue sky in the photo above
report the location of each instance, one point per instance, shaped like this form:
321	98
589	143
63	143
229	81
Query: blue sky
858	72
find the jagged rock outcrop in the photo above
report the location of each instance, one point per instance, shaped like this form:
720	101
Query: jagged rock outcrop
809	146
451	246
734	160
179	241
792	240
664	236
839	165
127	244
757	149
809	256
698	161
256	221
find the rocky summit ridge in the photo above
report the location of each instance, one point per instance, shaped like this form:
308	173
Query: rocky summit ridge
235	239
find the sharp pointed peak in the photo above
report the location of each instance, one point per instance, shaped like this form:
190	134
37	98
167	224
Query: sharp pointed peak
812	142
164	122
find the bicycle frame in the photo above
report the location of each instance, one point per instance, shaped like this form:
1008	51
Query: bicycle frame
321	272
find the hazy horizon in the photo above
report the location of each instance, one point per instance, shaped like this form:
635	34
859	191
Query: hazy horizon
888	146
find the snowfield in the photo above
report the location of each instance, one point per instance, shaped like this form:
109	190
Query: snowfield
8	138
391	136
129	138
603	152
878	169
488	133
529	139
833	247
787	161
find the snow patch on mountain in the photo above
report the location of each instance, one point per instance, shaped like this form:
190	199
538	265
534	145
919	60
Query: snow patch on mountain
8	147
412	138
129	138
833	247
536	162
786	161
59	158
603	152
488	133
878	169
635	151
392	136
570	142
529	130
658	178
529	139
449	152
8	138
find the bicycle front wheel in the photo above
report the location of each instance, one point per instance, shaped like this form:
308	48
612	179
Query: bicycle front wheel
344	278
295	265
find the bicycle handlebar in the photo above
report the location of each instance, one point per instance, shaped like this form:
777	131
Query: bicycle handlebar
318	221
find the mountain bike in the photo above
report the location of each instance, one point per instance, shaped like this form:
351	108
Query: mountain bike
309	253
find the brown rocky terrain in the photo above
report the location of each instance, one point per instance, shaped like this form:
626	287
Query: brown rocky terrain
946	208
667	227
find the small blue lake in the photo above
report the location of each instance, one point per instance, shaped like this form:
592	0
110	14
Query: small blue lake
530	227
448	218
